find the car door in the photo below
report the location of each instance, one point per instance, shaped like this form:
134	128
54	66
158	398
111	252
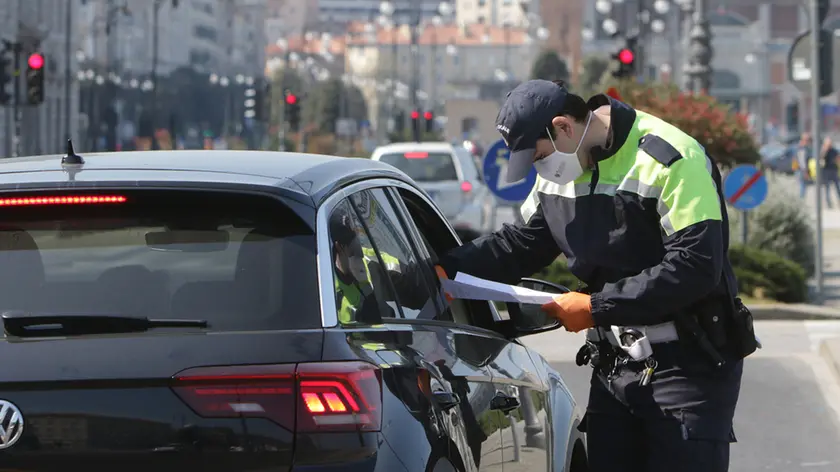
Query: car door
520	394
440	389
461	354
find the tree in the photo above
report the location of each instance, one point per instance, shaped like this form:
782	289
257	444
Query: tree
549	66
723	133
592	74
330	100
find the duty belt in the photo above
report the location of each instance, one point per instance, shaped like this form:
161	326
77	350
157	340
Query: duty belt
656	334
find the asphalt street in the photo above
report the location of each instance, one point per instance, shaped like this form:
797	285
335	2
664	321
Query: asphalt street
788	416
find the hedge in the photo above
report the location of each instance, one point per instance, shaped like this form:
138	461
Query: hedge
761	274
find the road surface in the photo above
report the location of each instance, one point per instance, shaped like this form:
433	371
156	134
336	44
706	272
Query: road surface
788	416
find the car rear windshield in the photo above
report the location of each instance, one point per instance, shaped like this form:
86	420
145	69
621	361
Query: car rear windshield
423	166
239	261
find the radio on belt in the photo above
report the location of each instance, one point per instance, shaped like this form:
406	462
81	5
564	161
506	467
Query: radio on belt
633	342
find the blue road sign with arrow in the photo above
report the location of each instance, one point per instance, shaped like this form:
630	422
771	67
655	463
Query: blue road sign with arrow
745	187
495	175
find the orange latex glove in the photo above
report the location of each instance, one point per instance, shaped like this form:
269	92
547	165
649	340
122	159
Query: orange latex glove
442	275
572	309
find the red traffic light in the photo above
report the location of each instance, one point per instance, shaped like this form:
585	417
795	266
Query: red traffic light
291	99
415	115
428	116
626	56
36	61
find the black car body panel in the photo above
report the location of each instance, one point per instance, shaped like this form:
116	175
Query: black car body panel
122	400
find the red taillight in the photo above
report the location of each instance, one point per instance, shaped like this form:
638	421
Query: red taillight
332	396
62	200
343	396
416	155
466	187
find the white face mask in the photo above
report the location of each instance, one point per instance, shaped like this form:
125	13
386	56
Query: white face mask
562	167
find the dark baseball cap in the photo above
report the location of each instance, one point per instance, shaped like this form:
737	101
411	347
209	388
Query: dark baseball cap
527	111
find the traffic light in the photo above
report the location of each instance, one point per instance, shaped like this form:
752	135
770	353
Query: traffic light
293	111
415	124
6	79
35	79
626	60
430	121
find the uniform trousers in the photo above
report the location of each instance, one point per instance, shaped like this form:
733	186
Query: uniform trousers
680	422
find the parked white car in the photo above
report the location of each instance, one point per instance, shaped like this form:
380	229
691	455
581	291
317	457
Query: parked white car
449	175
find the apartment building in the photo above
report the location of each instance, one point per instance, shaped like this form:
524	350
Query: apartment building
42	27
345	11
213	36
287	18
472	62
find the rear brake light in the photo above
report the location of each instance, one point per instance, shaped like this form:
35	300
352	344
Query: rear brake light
62	200
466	187
327	397
416	155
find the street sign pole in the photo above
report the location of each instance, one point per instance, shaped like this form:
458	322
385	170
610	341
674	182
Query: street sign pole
816	142
745	188
495	175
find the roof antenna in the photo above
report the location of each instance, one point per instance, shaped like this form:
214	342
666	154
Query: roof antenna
71	158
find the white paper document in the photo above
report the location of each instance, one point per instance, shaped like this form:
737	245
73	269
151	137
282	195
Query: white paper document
468	287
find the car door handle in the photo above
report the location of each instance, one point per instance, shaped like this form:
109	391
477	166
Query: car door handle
446	400
504	403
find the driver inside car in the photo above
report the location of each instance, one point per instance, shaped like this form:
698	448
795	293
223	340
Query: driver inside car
358	271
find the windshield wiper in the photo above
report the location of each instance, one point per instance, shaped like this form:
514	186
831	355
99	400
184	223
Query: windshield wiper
23	324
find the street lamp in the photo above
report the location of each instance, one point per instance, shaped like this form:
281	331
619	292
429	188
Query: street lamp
444	11
155	51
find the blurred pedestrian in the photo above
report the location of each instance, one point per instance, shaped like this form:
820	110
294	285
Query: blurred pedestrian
830	173
803	157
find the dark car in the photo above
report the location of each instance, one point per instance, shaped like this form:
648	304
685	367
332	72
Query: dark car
178	311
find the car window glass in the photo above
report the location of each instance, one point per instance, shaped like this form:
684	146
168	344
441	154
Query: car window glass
238	261
423	166
395	255
434	233
361	289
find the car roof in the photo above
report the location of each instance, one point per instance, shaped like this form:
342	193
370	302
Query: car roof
421	146
313	175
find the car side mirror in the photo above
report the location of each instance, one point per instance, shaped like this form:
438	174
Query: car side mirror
526	318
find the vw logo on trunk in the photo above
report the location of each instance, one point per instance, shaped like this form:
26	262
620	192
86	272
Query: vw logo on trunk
11	424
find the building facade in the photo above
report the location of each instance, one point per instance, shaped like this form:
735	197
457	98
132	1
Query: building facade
42	27
213	36
287	18
346	11
470	62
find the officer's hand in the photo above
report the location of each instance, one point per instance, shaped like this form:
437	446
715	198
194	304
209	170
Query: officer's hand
572	309
442	275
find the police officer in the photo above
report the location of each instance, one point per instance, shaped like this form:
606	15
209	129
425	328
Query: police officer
634	205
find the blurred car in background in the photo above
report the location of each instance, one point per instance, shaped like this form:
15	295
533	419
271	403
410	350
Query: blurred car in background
779	157
451	177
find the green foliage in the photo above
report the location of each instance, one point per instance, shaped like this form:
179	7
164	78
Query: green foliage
549	66
760	273
723	133
780	225
558	272
764	274
593	69
328	101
